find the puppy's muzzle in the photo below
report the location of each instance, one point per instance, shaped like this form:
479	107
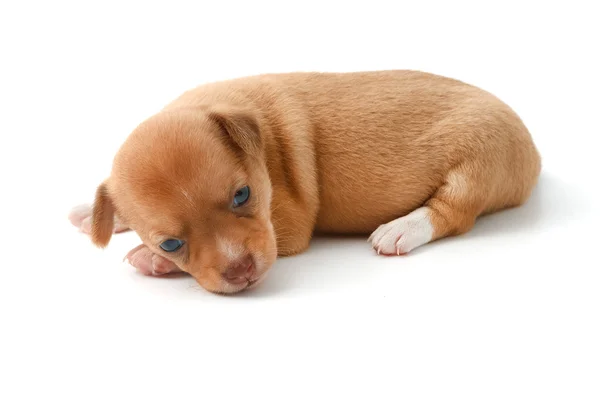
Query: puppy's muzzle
241	271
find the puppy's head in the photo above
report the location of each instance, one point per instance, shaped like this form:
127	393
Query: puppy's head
193	184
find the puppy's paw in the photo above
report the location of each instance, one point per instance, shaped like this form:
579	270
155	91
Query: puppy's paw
149	263
81	217
402	235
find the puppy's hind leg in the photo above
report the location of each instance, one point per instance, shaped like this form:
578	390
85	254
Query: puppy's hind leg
452	210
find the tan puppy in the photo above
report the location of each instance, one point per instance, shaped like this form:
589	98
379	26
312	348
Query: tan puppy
232	174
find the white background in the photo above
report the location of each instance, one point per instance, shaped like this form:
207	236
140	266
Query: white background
509	311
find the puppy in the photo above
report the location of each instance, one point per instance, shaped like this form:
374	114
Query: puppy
232	174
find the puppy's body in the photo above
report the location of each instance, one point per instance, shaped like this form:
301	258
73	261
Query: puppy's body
355	150
412	156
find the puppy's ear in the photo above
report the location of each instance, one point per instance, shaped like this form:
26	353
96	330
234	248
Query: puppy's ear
103	217
240	125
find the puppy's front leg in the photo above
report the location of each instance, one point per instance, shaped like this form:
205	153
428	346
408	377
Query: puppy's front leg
81	217
149	263
293	223
141	257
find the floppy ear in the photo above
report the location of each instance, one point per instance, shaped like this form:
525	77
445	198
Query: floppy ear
240	125
103	217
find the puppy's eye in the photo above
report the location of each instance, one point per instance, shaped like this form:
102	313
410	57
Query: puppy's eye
171	245
241	196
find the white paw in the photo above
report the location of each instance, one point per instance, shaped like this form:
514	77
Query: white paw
402	235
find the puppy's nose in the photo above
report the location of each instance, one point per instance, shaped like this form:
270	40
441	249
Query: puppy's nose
240	271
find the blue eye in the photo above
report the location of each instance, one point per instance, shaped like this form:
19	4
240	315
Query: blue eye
241	196
171	245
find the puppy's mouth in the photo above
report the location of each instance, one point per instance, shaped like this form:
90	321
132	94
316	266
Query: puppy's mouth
252	283
246	282
257	281
232	288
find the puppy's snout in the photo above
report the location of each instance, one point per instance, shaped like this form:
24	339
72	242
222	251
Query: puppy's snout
240	271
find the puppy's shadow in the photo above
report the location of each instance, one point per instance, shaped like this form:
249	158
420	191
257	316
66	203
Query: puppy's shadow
553	202
330	262
334	261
